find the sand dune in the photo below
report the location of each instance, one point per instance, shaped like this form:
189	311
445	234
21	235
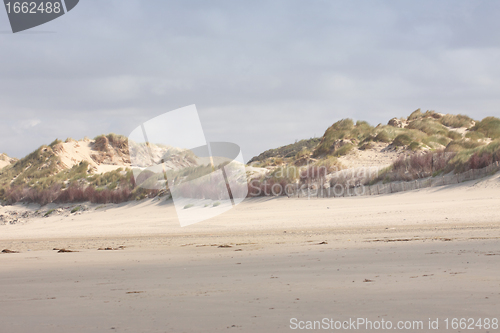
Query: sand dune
469	203
6	160
74	152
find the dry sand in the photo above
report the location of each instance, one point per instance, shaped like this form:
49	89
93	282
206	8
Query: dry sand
377	156
5	160
74	152
3	164
432	253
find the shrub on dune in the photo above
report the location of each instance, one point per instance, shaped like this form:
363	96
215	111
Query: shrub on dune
415	114
474	135
454	135
438	139
402	140
382	136
344	150
457	121
428	126
489	126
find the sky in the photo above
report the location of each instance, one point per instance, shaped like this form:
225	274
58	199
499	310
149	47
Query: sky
262	74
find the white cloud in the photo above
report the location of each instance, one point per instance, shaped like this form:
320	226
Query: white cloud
299	64
23	126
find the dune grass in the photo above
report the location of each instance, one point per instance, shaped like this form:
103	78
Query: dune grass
288	151
344	129
429	126
383	136
475	158
50	211
436	141
457	121
489	127
76	209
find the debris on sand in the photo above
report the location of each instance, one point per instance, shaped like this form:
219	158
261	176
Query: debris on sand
9	251
14	217
64	250
367	280
121	247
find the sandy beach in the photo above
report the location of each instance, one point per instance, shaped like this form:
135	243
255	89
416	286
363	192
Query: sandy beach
261	267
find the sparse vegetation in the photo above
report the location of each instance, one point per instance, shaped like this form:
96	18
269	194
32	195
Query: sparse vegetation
303	153
330	164
454	135
459	145
50	211
39	164
475	136
475	158
340	138
414	146
288	151
366	146
489	126
55	142
344	150
429	126
432	163
342	130
76	209
415	114
415	166
457	121
436	141
101	143
383	136
402	140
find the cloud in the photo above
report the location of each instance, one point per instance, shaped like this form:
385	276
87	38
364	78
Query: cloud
23	127
27	124
288	68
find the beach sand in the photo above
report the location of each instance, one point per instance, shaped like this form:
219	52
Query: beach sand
432	253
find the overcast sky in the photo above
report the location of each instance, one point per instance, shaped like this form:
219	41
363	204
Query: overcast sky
261	73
